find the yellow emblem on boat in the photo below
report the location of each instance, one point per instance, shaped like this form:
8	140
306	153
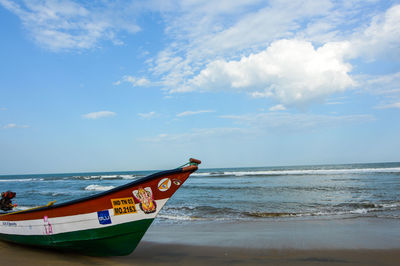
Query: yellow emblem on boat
123	206
164	184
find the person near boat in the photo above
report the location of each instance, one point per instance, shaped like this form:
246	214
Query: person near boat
5	201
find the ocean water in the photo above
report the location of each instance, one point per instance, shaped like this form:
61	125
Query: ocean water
240	194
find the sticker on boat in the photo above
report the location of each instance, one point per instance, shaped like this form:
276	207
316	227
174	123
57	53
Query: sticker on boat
164	184
48	229
104	217
177	182
145	197
123	206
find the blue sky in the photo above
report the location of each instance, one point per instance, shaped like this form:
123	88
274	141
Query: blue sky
136	85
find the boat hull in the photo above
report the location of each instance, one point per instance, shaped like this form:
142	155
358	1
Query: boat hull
111	223
118	240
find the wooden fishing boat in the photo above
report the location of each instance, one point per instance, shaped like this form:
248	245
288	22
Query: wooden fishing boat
107	224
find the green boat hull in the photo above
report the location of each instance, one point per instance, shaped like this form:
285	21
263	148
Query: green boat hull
116	240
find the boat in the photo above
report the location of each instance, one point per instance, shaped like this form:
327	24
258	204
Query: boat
110	223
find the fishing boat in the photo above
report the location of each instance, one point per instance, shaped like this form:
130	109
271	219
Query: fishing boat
110	223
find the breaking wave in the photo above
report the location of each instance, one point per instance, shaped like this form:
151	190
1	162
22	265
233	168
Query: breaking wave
102	177
98	188
22	180
214	213
298	172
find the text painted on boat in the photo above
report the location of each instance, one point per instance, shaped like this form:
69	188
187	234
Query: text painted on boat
9	224
123	206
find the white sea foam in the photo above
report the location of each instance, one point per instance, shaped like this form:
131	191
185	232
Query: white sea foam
22	208
301	172
180	217
98	188
129	176
22	180
118	177
108	177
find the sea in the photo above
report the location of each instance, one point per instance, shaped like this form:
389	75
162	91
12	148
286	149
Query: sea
240	194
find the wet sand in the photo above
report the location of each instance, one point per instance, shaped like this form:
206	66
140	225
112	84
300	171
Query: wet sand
320	242
148	253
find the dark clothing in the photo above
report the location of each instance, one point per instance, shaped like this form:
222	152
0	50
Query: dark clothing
5	201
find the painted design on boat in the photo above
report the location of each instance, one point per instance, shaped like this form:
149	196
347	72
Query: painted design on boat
177	182
48	228
145	197
164	184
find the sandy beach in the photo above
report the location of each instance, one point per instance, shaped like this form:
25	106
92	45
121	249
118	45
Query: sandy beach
368	241
149	253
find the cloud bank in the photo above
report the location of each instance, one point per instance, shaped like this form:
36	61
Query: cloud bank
291	71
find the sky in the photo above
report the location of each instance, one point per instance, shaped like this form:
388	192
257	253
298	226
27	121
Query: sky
138	85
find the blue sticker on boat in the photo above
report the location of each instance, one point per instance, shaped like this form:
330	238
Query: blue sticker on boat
104	217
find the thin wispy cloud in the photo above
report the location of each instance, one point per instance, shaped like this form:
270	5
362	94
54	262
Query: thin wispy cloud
188	113
13	125
388	84
334	103
195	134
295	122
134	81
278	107
395	105
148	115
98	115
71	25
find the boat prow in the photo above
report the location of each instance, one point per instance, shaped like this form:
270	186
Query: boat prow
110	223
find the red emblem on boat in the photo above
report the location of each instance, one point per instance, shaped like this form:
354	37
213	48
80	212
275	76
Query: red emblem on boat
145	196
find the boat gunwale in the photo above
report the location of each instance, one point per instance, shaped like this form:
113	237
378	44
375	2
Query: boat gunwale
191	168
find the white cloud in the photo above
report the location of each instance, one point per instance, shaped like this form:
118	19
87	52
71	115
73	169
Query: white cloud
134	81
334	103
261	123
295	122
97	115
381	84
65	25
230	33
395	105
147	115
203	31
187	113
291	71
12	125
195	134
278	107
381	37
3	109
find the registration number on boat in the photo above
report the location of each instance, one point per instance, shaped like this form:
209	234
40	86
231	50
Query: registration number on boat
123	206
